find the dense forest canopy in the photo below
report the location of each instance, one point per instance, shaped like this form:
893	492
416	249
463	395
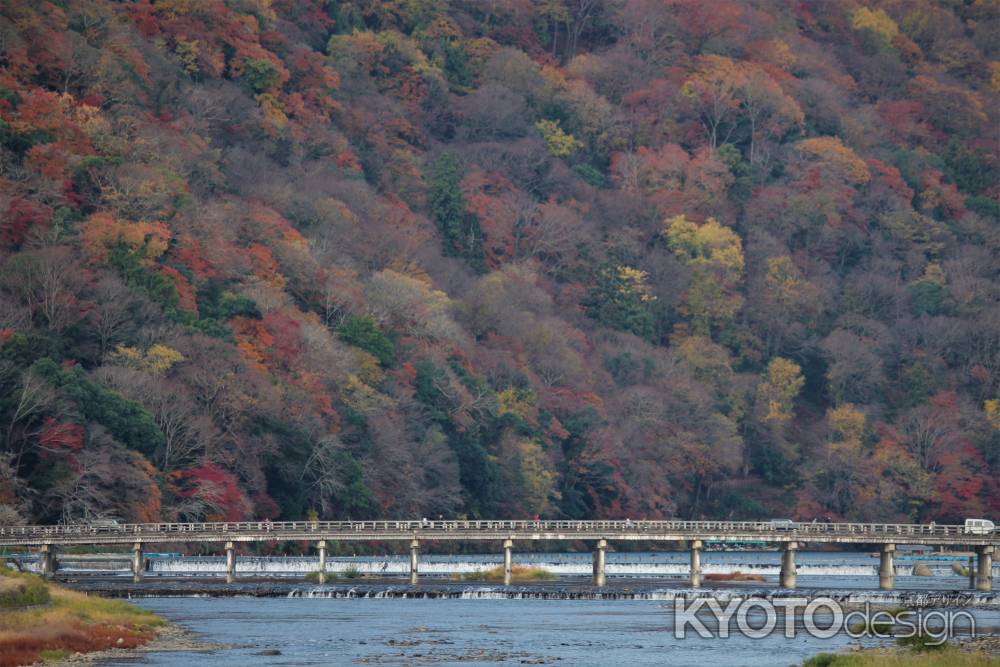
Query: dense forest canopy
573	258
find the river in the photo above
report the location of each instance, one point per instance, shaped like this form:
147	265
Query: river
318	625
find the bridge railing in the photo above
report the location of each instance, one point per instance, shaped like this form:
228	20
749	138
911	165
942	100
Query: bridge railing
452	527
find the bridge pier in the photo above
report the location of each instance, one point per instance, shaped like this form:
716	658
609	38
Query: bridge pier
321	566
984	568
414	552
47	560
695	546
599	560
787	575
230	563
137	562
508	561
886	567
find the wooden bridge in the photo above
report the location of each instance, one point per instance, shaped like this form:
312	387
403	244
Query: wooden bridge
692	534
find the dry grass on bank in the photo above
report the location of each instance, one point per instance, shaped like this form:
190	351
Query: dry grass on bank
518	573
734	576
66	622
945	656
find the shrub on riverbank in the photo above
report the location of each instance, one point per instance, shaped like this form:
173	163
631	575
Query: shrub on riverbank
61	622
520	573
22	591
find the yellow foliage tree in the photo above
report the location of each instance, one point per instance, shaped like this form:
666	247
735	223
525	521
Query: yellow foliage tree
716	254
707	244
847	424
561	143
188	51
517	402
709	361
538	480
992	409
102	231
157	359
272	110
876	21
632	283
835	157
780	388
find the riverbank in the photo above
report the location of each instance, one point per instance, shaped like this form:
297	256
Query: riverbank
564	588
41	621
975	652
169	639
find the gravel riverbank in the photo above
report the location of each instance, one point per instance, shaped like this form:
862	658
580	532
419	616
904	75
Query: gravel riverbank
171	638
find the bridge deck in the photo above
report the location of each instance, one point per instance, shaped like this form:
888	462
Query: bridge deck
487	530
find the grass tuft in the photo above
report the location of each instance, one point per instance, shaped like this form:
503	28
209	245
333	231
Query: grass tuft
734	576
921	643
519	573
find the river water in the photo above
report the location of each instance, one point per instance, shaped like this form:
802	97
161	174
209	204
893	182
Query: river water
482	632
317	625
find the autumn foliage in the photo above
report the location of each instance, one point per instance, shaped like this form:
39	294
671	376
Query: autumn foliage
643	258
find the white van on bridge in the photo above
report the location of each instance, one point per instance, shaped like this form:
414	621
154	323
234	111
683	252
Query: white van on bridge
979	527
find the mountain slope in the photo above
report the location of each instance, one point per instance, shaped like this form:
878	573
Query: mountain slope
631	258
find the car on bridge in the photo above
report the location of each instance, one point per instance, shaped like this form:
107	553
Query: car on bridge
979	527
783	524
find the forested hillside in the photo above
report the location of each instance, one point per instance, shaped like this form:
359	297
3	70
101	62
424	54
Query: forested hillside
574	258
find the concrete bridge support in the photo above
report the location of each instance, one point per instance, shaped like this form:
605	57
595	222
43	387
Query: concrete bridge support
321	566
230	563
599	560
508	561
972	572
984	568
414	553
787	575
696	546
886	567
137	562
47	560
